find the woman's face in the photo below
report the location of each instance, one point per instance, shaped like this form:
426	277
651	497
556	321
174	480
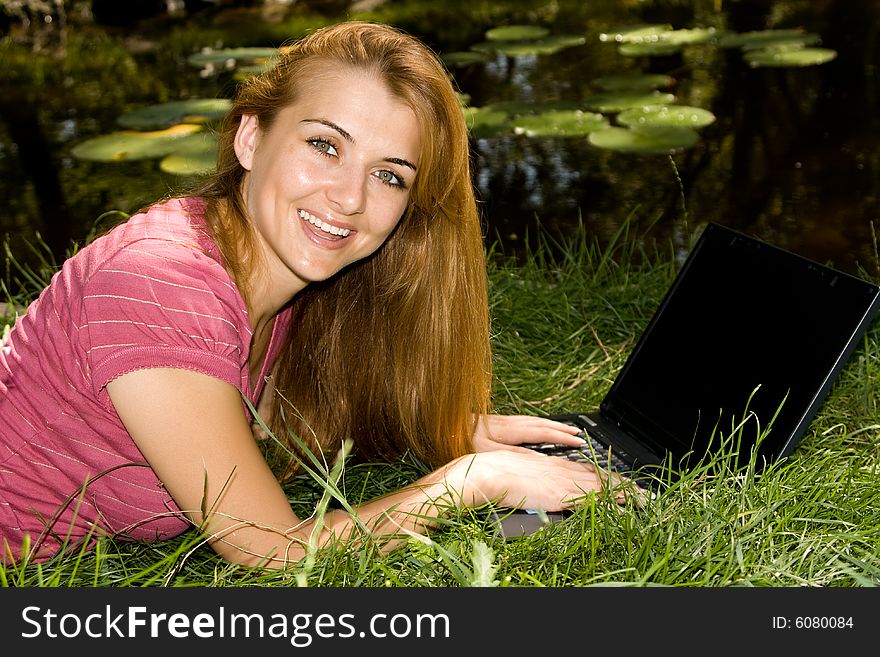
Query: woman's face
328	181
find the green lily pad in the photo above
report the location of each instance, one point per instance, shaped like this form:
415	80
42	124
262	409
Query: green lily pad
486	121
644	33
624	100
463	58
784	43
546	46
517	33
634	82
658	49
659	40
130	145
679	116
689	37
249	70
773	57
522	107
194	155
572	123
758	38
644	140
165	115
229	58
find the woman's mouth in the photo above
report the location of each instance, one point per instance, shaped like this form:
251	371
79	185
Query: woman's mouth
330	230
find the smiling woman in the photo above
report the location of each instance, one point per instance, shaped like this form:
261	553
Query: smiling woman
330	275
345	177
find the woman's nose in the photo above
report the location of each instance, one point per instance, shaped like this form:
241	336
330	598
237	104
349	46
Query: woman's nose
349	191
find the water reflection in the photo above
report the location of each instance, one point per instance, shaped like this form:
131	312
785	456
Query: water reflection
792	157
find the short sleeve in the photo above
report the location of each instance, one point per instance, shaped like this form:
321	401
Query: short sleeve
162	303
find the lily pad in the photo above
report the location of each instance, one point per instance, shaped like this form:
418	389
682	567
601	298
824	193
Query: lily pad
486	121
194	155
784	43
657	49
546	46
658	40
128	145
572	123
248	70
517	33
522	107
634	82
624	100
230	58
688	37
644	140
165	115
758	38
463	58
780	58
643	33
679	116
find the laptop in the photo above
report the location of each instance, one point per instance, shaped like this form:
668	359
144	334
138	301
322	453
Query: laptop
737	359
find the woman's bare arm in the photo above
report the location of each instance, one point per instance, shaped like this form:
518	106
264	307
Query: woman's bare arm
192	430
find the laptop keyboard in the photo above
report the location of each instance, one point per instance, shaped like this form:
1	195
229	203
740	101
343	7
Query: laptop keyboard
592	451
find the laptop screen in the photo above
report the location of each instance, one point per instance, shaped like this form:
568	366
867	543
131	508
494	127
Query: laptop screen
747	334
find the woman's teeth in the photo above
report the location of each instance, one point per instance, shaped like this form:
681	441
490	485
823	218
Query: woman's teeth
323	225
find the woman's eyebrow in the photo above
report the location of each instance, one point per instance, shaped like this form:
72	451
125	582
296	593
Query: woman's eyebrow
332	126
401	162
347	136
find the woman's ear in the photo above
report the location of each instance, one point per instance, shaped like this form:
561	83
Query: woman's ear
246	140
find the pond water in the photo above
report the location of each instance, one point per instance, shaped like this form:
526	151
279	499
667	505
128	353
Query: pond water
792	155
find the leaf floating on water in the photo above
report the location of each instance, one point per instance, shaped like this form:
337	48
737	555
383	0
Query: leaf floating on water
665	42
659	49
486	122
772	57
783	43
646	140
193	155
213	61
689	37
678	116
249	70
517	33
573	123
759	38
463	58
520	107
231	57
546	46
634	82
646	33
616	102
129	145
165	115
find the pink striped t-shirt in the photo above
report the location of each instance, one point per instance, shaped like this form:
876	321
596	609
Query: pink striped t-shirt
151	293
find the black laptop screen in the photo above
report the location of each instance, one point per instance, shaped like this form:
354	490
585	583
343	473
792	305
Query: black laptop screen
746	331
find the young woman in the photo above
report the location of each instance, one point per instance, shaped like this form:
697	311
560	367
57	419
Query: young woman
330	273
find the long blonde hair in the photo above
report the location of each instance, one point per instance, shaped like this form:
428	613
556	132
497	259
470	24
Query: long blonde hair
392	352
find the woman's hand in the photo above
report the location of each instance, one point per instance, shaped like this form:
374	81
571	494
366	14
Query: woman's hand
509	431
521	477
528	479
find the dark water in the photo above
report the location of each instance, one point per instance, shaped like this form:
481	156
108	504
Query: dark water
793	157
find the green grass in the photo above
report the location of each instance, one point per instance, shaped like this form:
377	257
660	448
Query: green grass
565	318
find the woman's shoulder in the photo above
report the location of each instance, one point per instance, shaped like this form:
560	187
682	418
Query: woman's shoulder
175	222
169	235
167	245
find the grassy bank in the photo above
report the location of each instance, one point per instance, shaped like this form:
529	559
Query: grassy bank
564	320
